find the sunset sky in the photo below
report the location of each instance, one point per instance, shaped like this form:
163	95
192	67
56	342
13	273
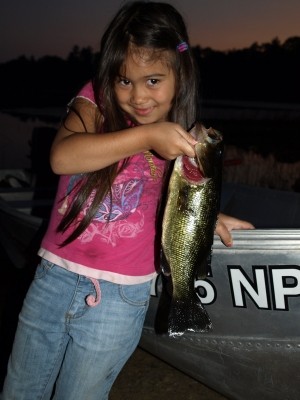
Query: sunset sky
39	27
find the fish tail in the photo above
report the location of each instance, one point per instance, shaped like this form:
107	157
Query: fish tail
188	316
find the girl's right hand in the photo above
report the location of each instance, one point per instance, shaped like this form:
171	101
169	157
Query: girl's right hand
169	140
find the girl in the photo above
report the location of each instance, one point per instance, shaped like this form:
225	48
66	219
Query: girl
83	314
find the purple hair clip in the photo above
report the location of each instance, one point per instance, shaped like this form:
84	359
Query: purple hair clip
183	46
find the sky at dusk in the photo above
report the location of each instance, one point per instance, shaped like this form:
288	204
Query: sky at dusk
40	27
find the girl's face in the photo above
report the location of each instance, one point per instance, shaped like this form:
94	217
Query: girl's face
145	88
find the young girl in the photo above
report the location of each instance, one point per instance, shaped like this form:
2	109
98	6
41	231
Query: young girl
83	315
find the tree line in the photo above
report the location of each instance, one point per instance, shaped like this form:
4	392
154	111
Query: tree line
262	72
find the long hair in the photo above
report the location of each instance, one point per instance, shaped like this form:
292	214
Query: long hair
157	27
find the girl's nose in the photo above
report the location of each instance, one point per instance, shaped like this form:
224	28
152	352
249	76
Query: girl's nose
138	95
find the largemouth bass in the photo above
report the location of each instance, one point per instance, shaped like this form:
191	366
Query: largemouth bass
188	226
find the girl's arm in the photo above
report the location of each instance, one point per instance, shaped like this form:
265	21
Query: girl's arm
75	150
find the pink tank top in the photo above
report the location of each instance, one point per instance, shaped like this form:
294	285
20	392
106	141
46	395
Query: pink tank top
122	250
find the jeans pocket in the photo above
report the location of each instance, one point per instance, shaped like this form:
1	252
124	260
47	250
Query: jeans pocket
43	268
137	295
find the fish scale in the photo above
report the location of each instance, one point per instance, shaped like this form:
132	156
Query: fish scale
188	227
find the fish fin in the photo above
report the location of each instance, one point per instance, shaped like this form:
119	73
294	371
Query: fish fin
165	267
164	305
204	268
188	316
208	266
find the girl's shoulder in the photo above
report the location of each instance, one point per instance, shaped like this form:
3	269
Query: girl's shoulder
87	92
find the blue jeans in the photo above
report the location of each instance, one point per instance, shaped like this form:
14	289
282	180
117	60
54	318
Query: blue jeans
65	347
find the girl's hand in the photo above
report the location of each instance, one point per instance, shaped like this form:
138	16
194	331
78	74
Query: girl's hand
169	140
226	224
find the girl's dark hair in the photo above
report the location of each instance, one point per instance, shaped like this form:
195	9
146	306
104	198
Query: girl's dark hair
141	24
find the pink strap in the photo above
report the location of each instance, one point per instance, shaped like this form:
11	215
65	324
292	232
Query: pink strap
91	300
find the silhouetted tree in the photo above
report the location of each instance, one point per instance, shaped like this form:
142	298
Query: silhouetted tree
261	72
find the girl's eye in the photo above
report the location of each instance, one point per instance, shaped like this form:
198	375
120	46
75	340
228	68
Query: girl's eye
124	82
153	82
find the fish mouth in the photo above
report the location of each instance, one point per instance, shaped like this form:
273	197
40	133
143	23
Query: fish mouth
201	134
191	169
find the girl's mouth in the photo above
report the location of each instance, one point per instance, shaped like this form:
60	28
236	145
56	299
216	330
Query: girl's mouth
143	111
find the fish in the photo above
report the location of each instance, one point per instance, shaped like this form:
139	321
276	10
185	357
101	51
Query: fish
188	225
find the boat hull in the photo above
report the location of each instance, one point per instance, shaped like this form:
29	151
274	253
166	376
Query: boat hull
253	300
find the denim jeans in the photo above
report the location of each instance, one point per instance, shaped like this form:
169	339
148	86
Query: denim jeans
67	349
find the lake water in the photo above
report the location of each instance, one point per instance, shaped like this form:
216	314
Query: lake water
16	135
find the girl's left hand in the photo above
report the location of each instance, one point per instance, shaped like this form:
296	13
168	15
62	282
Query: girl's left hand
226	224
